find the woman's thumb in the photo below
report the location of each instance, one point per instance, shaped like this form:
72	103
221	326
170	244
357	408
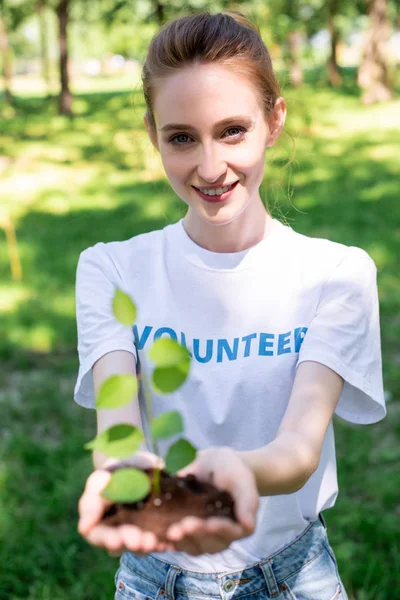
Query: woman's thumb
91	504
148	460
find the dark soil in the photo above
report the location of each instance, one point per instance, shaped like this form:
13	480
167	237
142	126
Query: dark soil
180	497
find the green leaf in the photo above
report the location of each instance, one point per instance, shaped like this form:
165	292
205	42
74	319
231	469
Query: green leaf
124	309
168	353
167	425
116	391
166	381
120	440
172	362
127	485
179	455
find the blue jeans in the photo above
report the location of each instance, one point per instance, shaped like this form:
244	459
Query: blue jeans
305	569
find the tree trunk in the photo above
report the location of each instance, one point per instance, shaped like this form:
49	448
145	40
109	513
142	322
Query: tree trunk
6	55
44	54
373	71
11	238
65	98
334	76
296	70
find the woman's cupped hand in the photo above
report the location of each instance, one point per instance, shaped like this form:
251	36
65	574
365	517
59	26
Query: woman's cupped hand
221	466
121	538
226	470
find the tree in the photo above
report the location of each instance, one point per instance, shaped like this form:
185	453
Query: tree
319	15
65	97
334	76
44	54
6	54
373	71
287	31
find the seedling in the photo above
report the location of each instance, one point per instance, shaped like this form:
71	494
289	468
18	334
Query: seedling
172	365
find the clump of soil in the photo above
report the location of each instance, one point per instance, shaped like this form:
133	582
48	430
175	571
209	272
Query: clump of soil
179	497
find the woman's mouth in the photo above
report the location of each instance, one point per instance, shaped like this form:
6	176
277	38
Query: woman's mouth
217	197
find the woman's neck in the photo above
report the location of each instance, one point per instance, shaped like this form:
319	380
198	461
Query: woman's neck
247	230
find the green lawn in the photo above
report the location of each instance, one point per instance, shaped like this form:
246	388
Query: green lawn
71	183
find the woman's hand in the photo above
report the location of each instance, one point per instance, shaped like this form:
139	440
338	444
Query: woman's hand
122	538
224	468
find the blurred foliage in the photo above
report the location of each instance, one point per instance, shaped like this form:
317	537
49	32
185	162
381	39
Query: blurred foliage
124	26
70	183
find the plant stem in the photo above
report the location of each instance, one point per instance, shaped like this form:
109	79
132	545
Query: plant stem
149	413
156	481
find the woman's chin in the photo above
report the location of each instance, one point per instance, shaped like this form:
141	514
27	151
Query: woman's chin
220	215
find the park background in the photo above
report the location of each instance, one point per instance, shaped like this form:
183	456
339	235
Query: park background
76	168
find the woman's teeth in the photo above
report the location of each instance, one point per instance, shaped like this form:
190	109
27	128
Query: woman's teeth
217	191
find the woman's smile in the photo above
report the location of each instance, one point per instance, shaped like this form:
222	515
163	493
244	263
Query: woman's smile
221	194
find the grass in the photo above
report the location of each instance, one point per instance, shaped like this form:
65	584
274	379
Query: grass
70	183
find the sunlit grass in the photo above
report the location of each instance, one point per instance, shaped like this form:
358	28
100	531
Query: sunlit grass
71	183
33	86
11	295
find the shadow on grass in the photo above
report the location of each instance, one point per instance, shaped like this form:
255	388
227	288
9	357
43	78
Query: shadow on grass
344	190
88	136
51	245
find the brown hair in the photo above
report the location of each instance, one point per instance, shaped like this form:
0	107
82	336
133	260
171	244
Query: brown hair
227	37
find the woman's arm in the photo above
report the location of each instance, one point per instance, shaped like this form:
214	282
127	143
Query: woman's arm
118	362
285	465
92	505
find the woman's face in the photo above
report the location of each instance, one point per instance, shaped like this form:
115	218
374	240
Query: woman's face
198	150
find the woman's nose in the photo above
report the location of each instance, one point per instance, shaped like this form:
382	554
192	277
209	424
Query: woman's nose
211	166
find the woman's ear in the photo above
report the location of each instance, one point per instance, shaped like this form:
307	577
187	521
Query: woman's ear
276	121
151	132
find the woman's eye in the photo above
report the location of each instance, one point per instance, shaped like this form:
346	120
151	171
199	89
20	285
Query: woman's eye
241	130
175	139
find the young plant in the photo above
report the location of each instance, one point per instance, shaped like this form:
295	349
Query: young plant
172	364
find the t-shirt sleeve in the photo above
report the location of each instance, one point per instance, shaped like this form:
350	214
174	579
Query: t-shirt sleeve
345	336
99	331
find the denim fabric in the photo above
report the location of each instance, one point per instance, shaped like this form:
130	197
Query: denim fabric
305	569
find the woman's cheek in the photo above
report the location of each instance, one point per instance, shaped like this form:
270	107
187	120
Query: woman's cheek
247	159
174	166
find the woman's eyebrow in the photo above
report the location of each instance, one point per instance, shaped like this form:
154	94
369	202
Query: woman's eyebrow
244	118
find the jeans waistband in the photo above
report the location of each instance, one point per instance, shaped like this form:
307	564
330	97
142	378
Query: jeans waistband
228	586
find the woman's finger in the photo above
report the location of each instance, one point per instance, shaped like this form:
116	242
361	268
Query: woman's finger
246	497
137	540
216	534
192	537
148	541
91	504
105	536
184	527
225	528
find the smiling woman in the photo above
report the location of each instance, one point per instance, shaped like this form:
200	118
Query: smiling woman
283	329
210	151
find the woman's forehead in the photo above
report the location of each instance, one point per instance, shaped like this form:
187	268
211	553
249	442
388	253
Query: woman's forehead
210	90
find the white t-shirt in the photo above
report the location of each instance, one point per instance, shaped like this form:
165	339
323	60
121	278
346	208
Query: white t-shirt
249	319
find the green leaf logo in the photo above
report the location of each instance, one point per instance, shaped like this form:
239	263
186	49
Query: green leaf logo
124	309
172	365
127	485
116	391
167	425
120	441
179	455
